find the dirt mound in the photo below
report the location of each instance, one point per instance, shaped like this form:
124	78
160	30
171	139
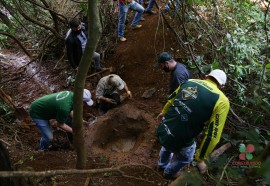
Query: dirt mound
125	134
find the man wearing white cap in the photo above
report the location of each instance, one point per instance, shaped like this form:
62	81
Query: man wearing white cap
106	93
58	106
193	106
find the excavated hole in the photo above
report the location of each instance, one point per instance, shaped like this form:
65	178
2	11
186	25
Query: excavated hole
119	131
121	145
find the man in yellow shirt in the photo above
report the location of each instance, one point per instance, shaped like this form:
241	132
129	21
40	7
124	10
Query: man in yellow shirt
195	105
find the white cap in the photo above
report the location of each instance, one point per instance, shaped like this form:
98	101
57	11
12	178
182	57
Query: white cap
118	82
87	97
219	75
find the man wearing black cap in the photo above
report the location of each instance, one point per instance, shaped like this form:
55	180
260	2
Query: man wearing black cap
179	72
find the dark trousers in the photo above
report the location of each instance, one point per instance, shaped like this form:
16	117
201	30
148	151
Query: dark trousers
104	106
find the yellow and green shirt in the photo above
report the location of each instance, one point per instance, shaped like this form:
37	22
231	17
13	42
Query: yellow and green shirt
194	106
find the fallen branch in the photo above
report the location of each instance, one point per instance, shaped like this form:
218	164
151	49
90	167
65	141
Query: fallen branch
216	153
104	70
224	169
11	79
18	42
8	144
50	173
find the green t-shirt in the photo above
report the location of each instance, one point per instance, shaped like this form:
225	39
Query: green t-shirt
53	106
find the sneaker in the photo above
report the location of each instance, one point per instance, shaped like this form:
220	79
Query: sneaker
123	39
142	19
150	12
136	27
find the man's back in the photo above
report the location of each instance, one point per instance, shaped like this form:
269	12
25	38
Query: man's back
178	76
188	110
53	106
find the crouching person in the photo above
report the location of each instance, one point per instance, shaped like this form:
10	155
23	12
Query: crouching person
58	106
106	92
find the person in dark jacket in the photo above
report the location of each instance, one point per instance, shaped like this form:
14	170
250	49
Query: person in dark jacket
76	39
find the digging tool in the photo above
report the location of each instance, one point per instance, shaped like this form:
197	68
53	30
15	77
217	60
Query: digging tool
111	69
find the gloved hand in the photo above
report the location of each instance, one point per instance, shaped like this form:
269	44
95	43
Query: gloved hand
202	167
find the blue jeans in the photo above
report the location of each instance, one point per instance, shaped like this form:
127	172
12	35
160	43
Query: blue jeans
46	133
167	7
123	9
150	5
183	157
96	59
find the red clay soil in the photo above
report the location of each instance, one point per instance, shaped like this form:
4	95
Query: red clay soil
132	125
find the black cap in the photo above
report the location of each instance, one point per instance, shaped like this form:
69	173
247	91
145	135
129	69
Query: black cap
163	57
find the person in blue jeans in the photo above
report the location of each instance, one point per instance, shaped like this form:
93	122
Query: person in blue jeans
123	7
149	7
182	158
195	107
167	5
58	106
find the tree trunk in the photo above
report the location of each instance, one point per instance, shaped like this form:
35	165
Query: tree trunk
94	35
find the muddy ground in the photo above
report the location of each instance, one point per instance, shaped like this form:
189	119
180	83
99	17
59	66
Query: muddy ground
123	137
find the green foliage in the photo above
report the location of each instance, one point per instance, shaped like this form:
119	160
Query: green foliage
3	27
265	171
83	6
241	50
244	62
251	143
191	179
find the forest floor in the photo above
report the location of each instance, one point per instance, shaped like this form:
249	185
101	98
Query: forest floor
124	137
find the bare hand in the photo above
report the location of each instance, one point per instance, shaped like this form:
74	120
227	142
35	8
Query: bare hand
202	167
116	10
129	94
159	118
112	101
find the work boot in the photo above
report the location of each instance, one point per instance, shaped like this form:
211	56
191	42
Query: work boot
136	27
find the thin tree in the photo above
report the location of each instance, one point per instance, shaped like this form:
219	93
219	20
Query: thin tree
94	35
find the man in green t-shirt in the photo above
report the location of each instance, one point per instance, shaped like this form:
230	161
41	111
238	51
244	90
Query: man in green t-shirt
58	106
